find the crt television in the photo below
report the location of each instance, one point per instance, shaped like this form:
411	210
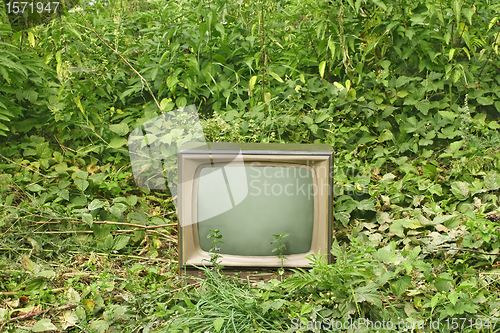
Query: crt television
250	192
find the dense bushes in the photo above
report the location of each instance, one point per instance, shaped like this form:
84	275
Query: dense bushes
406	92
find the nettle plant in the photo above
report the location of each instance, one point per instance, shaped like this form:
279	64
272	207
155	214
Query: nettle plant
280	249
214	249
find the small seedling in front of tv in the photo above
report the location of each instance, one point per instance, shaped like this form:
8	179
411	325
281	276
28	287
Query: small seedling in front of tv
214	250
281	248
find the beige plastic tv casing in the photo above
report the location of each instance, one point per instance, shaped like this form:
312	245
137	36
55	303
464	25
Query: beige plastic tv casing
190	251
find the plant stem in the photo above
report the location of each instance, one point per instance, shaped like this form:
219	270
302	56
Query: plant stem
489	54
29	315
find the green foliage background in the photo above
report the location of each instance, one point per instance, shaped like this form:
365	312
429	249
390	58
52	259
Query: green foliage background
406	92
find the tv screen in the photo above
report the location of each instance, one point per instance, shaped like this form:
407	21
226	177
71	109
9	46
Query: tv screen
251	192
279	200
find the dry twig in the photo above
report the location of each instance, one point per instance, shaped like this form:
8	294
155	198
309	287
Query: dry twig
29	315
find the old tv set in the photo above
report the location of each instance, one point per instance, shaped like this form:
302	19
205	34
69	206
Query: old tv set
250	192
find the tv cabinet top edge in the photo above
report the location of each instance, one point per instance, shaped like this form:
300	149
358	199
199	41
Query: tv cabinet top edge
255	148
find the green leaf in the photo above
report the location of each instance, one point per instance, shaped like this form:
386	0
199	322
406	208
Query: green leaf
493	125
331	46
398	226
444	282
98	178
385	135
388	255
108	242
455	146
64	194
218	324
321	117
468	12
101	231
80	174
450	55
492	180
166	104
120	242
435	300
402	93
202	28
423	106
220	28
492	22
402	80
28	265
448	132
272	304
414	253
117	142
120	129
277	77
181	102
460	190
38	283
306	308
100	326
30	95
425	142
435	189
172	81
448	115
96	204
368	293
388	111
322	67
456	5
308	120
366	204
43	325
117	209
343	217
35	188
73	31
46	274
401	284
448	221
456	75
488	100
380	4
88	219
453	297
251	84
82	184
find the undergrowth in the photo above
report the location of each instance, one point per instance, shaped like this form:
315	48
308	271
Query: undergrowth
405	92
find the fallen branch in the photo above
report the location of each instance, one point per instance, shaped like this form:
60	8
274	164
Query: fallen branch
124	255
25	167
13	293
112	223
170	238
464	249
29	315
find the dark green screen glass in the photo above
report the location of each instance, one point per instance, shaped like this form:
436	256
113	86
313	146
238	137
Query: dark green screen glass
248	212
